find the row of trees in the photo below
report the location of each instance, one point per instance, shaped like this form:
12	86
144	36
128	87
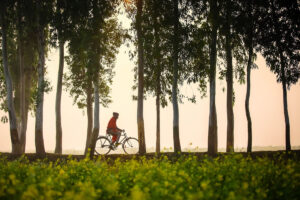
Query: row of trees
30	28
187	40
176	42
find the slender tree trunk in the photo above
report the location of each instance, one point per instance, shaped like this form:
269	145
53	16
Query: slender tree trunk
140	118
58	147
96	119
285	106
158	72
284	86
250	50
213	126
28	76
229	80
89	109
24	129
23	113
16	146
177	147
249	147
22	84
39	140
158	116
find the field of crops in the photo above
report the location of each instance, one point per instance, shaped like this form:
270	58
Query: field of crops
188	177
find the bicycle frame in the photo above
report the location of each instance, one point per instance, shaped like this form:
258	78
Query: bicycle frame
123	137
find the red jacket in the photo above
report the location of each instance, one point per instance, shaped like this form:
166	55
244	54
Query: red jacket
112	125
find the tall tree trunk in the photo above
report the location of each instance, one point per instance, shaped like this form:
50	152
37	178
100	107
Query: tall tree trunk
22	85
24	130
177	147
284	84
249	146
39	140
58	147
96	119
250	52
285	106
16	145
158	116
229	80
89	109
158	72
213	126
28	76
140	118
23	118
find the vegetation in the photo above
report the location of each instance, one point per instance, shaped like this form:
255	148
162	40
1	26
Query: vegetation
231	176
176	42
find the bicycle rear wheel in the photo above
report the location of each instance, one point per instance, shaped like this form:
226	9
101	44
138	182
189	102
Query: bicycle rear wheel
102	146
131	146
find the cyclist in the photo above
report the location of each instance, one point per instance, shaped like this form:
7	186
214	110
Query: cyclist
113	129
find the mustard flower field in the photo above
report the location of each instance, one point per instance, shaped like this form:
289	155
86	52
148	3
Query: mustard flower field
230	176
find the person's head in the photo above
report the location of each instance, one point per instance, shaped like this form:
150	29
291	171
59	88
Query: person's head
116	115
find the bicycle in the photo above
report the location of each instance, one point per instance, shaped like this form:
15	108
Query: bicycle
104	144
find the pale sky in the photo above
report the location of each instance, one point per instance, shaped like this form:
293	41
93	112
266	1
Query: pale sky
266	107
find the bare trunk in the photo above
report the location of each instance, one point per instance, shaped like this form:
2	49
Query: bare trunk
250	50
213	126
285	106
22	85
16	146
96	120
229	80
140	118
158	73
158	116
39	140
89	110
24	130
286	117
284	86
177	147
58	147
249	147
28	80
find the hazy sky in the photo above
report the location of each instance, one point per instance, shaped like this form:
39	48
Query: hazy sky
266	107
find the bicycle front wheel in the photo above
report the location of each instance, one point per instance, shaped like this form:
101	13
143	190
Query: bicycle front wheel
131	146
102	145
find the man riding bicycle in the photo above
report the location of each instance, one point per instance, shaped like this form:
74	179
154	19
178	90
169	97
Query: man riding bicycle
113	129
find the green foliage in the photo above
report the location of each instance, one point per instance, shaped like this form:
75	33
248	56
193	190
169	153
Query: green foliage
228	177
93	46
279	38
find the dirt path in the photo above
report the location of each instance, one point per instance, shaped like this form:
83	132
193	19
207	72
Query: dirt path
295	154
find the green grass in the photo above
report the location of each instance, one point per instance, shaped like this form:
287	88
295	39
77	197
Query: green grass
227	177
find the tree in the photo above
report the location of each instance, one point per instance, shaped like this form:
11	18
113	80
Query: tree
279	41
22	57
177	147
16	144
61	23
140	119
213	127
93	47
229	78
105	50
248	33
158	48
231	48
43	17
22	83
156	64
